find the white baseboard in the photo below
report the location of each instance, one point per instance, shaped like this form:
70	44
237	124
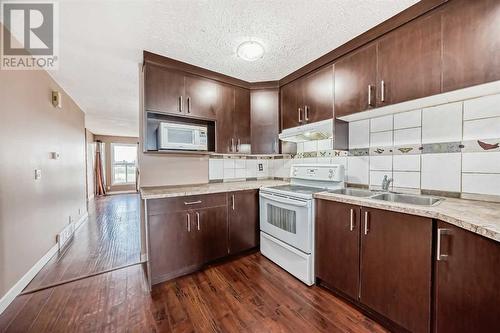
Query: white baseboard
26	279
82	220
121	192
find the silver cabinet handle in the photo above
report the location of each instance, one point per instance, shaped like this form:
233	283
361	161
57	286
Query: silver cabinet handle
231	149
198	220
382	91
188	221
440	232
189	104
366	223
370	88
300	115
351	226
180	103
192	202
238	144
306	112
232	201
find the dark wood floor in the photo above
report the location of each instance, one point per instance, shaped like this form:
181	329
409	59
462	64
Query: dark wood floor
110	239
246	294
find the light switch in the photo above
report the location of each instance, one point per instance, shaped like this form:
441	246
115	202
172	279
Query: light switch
38	174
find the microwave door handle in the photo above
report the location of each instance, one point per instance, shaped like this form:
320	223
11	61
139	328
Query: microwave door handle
284	200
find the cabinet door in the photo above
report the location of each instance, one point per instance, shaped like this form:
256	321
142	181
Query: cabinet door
202	97
318	95
292	110
241	119
467	283
264	120
396	252
354	81
471	46
225	125
163	89
174	245
409	61
211	223
243	220
337	246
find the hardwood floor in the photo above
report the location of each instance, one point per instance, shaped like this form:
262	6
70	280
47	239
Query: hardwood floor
247	294
109	239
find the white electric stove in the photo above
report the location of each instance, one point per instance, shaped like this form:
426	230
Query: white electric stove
287	217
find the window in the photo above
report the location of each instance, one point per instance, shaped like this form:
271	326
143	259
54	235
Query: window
123	168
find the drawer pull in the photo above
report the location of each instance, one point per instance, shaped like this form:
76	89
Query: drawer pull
351	227
188	221
440	232
367	229
198	220
192	202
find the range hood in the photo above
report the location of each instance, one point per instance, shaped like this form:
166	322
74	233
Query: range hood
316	131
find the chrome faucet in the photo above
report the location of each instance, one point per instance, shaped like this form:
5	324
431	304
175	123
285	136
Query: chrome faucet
386	182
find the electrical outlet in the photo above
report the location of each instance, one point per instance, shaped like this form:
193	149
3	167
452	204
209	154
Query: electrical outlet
38	174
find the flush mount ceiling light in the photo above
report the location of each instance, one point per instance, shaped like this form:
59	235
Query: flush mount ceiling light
250	51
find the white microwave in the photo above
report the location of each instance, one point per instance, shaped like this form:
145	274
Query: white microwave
176	136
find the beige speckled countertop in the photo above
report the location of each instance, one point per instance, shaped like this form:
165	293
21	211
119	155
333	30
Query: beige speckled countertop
480	217
159	192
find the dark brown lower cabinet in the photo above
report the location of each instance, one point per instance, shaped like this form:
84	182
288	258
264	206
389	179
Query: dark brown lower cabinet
467	282
395	267
175	246
337	246
243	220
185	233
381	260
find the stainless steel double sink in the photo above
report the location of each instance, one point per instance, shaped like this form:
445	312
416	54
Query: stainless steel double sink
412	199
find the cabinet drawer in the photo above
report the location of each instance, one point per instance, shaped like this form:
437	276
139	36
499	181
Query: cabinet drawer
161	206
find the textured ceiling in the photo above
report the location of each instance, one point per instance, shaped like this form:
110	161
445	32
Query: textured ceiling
101	43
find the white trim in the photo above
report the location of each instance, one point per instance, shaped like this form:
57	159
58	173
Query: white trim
82	220
121	192
490	88
144	257
26	279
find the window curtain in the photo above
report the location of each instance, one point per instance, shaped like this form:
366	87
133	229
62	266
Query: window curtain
100	187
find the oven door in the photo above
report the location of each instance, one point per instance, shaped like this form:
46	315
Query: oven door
287	219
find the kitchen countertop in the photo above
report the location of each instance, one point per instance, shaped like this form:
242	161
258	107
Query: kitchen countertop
158	192
482	218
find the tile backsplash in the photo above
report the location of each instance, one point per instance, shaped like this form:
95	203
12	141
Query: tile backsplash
224	168
453	147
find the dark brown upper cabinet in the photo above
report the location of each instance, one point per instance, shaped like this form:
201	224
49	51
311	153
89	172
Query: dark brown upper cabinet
318	95
355	81
467	284
241	118
243	217
409	61
224	121
337	246
202	97
163	90
233	119
292	111
396	266
264	105
308	99
471	46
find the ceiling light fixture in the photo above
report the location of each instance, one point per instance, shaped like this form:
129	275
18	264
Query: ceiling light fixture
250	51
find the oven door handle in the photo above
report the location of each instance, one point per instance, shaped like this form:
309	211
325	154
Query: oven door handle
287	201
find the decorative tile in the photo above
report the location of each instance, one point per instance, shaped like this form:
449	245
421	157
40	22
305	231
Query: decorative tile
359	152
442	148
380	151
415	149
492	145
